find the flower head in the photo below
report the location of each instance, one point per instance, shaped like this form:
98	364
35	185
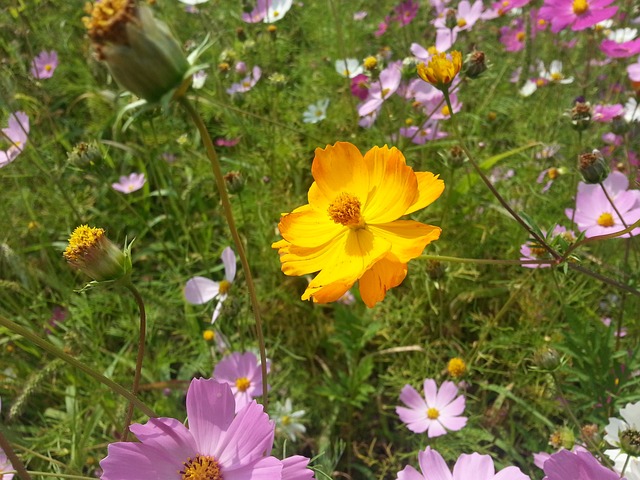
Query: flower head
44	64
6	469
625	433
246	83
437	412
474	466
139	50
242	372
456	367
350	229
91	252
349	67
316	112
16	133
288	421
578	14
441	69
276	10
199	290
220	442
130	183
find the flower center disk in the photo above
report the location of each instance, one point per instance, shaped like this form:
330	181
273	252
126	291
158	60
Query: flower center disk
345	210
433	413
606	220
201	467
243	383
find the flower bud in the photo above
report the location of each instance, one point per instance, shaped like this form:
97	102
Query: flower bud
475	64
234	181
91	252
562	438
451	20
593	167
581	115
547	358
84	153
142	55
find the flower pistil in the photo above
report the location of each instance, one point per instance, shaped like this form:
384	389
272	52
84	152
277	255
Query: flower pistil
345	210
201	467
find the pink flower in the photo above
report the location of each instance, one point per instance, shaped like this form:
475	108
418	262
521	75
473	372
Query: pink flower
383	26
379	91
220	441
129	184
44	65
257	14
606	113
16	133
241	371
551	173
621	43
436	413
361	15
578	465
405	12
420	135
532	251
247	83
578	14
595	215
474	466
634	71
513	37
607	323
360	86
227	142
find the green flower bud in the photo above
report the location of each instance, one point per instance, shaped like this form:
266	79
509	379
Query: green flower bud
139	50
475	64
593	167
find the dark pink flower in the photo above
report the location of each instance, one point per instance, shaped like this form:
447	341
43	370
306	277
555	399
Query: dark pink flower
578	465
577	14
513	37
621	43
360	86
405	12
606	113
383	26
227	142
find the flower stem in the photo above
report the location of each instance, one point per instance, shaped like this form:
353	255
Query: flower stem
18	466
228	213
140	357
486	261
55	351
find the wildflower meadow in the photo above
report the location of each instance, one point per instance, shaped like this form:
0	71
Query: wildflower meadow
320	239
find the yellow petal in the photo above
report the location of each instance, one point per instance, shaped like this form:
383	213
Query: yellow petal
382	276
340	168
407	237
301	260
360	250
393	185
328	293
309	228
430	187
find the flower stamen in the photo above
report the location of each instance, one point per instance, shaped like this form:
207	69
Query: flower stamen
201	467
433	413
242	384
345	210
606	220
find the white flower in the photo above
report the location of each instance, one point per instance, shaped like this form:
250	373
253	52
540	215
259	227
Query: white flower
349	67
555	73
193	2
199	290
198	79
632	110
316	111
285	417
622	35
631	421
277	10
630	464
528	88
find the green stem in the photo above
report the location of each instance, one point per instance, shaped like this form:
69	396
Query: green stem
13	458
485	261
599	237
55	351
228	213
140	357
61	475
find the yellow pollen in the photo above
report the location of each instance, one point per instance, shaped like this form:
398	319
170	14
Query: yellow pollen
81	241
246	84
520	36
385	92
540	82
542	22
242	384
276	14
286	420
445	111
505	3
345	210
370	63
224	287
462	23
345	72
433	413
48	67
423	133
606	220
580	6
202	467
556	77
408	121
537	251
208	335
456	367
553	173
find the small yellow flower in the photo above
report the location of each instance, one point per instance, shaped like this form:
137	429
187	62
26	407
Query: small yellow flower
351	229
441	70
370	63
209	335
456	367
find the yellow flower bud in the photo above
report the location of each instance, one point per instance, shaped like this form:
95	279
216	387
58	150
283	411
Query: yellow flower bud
441	70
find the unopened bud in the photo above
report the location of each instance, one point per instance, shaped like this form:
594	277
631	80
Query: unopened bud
451	20
593	167
234	181
475	64
241	34
547	358
435	269
581	115
84	153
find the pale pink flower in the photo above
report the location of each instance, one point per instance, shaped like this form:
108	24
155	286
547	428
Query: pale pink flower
242	372
361	15
129	183
436	413
247	83
634	71
420	135
381	90
578	465
16	134
44	64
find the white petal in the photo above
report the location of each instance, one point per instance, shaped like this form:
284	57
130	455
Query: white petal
229	261
199	290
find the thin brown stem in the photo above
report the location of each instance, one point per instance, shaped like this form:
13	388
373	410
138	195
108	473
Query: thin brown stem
17	464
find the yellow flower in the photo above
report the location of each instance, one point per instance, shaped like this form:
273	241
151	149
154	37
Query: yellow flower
456	367
350	229
441	70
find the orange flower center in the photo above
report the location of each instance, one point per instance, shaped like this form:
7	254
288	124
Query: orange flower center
580	6
82	241
48	67
462	23
224	287
520	36
537	251
345	210
242	384
201	467
606	220
445	111
553	173
433	413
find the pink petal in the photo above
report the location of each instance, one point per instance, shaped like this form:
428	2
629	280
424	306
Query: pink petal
453	423
454	408
448	391
411	398
295	468
409	473
199	290
432	464
511	473
416	420
430	392
229	262
269	468
435	429
135	461
168	435
476	466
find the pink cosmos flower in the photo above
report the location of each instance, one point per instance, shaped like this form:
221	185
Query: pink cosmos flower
474	466
606	113
436	108
221	442
379	91
634	71
578	465
360	15
532	251
405	12
129	184
595	215
466	17
44	64
420	135
247	83
550	174
241	371
607	323
199	290
227	142
621	43
513	36
257	14
360	86
383	26
578	14
436	413
16	134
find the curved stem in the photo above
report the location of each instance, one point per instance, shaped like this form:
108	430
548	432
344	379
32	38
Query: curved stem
139	358
17	464
486	261
600	237
55	351
228	213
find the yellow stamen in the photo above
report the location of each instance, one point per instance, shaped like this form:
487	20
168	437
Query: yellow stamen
224	287
345	210
202	467
81	241
209	335
433	413
520	36
370	63
286	420
606	220
445	111
243	383
553	173
108	20
456	367
556	77
462	23
385	92
580	6
48	67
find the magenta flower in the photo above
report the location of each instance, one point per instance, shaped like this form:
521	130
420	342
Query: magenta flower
219	443
241	371
227	142
129	184
247	83
606	113
474	466
44	65
420	135
382	26
379	91
199	290
621	43
578	14
360	86
578	465
436	413
405	12
595	215
513	37
16	134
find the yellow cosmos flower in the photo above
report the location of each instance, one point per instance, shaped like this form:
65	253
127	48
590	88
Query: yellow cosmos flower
350	229
441	70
